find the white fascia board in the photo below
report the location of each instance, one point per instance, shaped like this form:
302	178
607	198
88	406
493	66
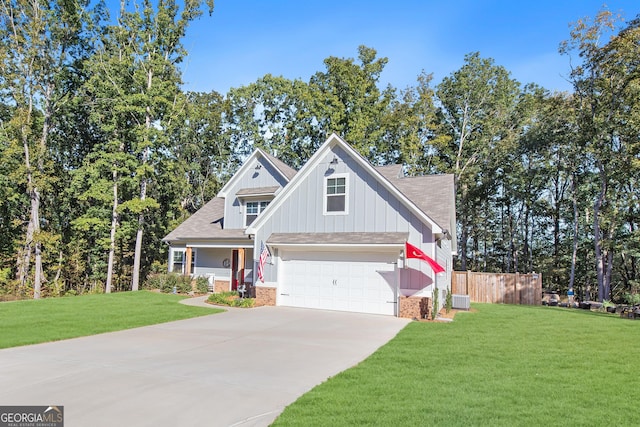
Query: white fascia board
248	245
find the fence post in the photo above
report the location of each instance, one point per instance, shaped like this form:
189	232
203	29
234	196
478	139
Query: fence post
466	282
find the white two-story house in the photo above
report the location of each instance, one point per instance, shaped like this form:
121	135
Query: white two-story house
335	231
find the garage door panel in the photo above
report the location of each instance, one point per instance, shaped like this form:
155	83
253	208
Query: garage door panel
357	293
359	282
340	291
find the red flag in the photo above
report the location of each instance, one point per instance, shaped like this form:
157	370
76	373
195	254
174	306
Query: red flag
413	252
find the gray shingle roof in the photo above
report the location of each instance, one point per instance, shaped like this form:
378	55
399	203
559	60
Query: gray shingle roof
284	168
433	194
338	238
206	223
390	171
258	191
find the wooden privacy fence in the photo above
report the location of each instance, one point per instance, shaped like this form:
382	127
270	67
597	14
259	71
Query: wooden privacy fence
506	288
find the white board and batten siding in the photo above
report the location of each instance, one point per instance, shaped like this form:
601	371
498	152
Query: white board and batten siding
265	176
360	280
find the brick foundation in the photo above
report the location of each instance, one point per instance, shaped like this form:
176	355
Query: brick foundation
415	307
265	296
221	286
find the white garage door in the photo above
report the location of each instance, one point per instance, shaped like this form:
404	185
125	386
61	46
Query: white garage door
359	282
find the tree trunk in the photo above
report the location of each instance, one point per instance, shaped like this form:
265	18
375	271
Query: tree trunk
33	226
463	247
607	276
511	259
135	280
556	231
525	249
35	201
574	253
37	277
112	234
597	237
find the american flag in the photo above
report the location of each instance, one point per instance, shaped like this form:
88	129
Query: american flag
264	254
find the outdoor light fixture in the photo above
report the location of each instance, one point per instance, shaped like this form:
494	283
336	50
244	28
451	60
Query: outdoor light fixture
334	161
258	167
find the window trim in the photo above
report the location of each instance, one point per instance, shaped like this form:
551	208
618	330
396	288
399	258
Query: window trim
262	205
182	262
325	196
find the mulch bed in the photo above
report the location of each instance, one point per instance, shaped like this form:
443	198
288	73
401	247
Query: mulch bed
443	316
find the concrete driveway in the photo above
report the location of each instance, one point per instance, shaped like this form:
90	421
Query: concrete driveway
239	368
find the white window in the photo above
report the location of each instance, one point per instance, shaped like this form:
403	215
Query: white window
336	199
252	210
179	258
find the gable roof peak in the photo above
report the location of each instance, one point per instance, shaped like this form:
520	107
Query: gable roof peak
281	167
286	170
333	141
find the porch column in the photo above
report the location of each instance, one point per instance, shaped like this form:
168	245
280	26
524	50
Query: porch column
187	267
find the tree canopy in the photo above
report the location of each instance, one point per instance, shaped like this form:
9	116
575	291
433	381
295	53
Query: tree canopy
104	153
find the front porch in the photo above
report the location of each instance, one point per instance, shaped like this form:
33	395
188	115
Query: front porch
225	267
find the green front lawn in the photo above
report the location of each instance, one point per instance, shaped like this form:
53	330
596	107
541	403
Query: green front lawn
36	321
502	365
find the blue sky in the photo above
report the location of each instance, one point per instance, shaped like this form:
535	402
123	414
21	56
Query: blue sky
245	39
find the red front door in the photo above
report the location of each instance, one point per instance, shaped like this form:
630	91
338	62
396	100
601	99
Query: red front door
234	270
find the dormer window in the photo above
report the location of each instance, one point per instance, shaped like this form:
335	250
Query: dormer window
335	194
253	210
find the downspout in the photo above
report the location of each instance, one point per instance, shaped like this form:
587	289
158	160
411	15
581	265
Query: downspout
400	258
397	291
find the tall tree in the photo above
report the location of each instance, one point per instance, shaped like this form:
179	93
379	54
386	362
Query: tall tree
42	44
138	79
293	118
346	100
477	103
273	113
606	87
157	53
412	127
201	157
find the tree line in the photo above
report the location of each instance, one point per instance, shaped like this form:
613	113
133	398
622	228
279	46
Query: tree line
103	153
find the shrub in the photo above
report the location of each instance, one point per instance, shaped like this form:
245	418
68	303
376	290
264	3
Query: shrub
223	298
167	282
243	302
632	299
231	299
435	304
153	281
606	304
202	285
448	301
158	267
8	285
